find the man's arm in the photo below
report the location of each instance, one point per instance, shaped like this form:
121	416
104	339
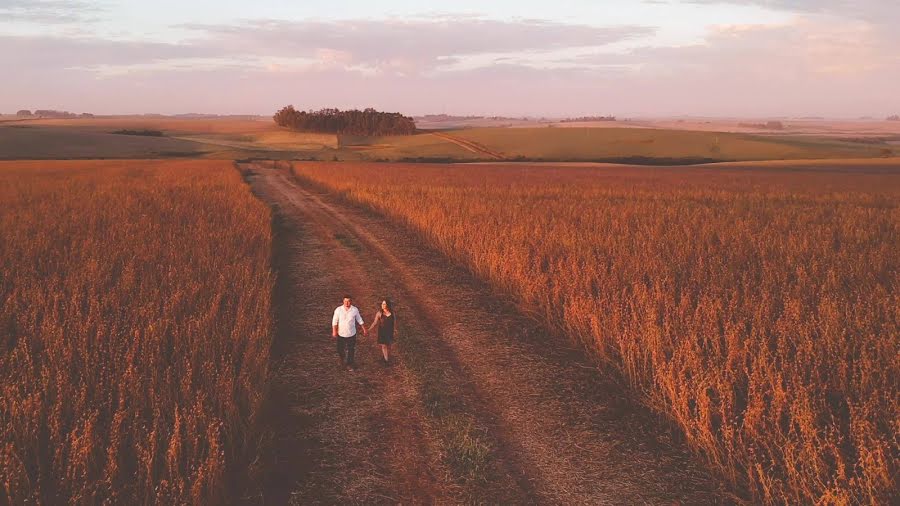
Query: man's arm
334	323
361	323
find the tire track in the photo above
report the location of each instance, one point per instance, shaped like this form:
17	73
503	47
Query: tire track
470	146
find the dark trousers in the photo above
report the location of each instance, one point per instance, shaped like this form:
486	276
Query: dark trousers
348	344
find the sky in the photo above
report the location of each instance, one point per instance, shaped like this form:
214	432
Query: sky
628	58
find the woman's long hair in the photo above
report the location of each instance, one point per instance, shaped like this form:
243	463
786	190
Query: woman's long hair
390	306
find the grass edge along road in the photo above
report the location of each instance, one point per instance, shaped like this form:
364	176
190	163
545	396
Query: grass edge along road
133	369
762	322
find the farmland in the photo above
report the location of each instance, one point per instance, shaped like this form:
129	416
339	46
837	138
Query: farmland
755	307
132	370
96	138
399	253
24	142
224	138
162	327
614	144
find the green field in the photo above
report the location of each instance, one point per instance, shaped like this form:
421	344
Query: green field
420	146
587	144
31	142
226	138
636	145
40	142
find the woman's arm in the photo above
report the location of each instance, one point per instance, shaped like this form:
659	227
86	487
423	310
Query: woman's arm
376	321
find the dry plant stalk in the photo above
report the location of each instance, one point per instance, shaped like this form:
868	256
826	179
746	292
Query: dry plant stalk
758	310
134	330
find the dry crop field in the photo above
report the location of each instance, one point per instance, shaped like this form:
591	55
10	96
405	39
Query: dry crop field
134	330
758	309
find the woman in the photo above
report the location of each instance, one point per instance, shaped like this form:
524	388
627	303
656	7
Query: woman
385	321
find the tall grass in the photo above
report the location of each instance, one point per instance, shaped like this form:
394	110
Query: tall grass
134	330
758	310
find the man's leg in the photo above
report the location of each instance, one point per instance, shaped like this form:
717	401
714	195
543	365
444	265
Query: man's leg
341	345
351	350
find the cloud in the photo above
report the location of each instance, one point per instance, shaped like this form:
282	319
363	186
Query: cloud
876	11
371	47
416	45
810	47
27	53
48	11
816	64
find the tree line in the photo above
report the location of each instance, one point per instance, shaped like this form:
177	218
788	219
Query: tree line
368	122
50	113
587	119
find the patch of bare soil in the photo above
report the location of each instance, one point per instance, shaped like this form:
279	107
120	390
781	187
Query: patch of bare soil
483	404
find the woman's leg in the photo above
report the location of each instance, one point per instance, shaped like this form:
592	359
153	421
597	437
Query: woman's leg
386	351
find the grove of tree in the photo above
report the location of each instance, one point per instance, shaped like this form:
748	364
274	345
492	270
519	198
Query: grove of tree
368	122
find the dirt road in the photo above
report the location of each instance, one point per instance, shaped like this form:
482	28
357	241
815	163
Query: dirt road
481	404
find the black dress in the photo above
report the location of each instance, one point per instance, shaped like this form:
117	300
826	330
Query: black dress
386	329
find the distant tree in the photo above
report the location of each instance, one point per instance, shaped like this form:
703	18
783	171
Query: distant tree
769	125
50	113
895	117
24	113
588	119
368	122
448	117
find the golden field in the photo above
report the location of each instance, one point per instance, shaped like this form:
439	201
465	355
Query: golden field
757	308
134	330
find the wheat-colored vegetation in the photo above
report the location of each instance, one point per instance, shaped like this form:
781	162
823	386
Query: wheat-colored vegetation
757	309
134	331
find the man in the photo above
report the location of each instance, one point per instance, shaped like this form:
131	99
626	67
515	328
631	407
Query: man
343	329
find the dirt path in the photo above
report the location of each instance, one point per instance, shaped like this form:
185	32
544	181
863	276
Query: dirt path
470	146
339	436
481	406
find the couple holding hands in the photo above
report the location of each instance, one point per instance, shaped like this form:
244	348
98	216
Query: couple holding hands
344	327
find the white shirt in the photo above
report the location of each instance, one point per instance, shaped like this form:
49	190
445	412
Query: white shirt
346	320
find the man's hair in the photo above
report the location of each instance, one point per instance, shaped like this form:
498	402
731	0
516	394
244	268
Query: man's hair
347	297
